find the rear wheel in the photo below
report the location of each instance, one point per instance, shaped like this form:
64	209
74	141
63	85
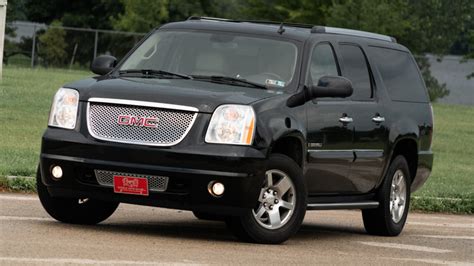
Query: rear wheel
394	198
74	210
280	208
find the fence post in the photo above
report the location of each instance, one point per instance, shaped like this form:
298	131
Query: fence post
3	16
96	40
33	47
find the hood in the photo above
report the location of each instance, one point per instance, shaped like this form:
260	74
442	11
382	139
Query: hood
205	96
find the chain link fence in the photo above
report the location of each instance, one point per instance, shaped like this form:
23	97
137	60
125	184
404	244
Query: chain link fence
34	44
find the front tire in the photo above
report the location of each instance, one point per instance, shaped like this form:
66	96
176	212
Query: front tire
74	210
394	199
281	206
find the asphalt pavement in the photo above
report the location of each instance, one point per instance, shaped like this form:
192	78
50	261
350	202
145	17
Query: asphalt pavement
137	235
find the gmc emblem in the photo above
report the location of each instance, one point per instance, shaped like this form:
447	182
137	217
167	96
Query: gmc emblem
136	121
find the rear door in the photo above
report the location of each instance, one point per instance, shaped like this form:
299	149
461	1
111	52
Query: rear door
368	114
329	130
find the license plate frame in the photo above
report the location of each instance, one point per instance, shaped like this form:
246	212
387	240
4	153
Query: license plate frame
131	185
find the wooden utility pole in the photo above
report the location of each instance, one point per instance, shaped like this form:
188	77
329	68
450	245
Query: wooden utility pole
3	18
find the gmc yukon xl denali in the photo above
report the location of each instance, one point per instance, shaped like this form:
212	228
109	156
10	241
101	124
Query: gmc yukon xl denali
249	122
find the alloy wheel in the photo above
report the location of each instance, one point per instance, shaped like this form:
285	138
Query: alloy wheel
277	200
398	194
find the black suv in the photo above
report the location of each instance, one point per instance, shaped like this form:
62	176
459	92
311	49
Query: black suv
249	122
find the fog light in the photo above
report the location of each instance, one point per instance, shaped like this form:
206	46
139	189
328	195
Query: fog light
216	189
57	172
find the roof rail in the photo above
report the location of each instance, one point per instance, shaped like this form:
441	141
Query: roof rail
365	34
314	29
207	18
289	24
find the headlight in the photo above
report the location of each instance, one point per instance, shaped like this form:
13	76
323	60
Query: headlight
64	109
232	124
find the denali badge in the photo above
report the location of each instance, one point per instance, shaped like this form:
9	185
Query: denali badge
131	120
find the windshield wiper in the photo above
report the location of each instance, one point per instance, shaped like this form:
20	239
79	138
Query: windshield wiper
153	72
230	80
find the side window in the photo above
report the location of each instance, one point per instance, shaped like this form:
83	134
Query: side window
323	62
355	69
400	75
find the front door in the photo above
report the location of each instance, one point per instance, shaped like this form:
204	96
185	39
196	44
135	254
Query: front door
330	131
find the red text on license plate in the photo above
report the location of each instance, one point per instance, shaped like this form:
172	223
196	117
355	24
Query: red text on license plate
131	185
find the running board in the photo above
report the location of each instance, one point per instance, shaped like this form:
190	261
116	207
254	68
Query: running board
343	205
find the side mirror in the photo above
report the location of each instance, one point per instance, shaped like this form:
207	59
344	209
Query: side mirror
328	86
332	86
103	64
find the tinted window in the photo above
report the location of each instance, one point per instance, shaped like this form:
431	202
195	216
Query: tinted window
323	62
400	75
355	69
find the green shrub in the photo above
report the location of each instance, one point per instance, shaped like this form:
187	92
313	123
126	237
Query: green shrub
52	46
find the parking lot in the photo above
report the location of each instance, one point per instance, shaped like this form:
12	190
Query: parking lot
137	235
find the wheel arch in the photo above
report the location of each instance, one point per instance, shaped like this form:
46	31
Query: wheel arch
292	145
408	148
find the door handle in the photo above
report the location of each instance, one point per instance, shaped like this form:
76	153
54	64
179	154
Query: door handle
346	119
378	119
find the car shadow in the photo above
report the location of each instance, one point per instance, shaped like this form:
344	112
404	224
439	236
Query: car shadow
211	230
321	231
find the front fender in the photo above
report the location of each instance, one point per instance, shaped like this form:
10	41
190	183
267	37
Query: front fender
275	120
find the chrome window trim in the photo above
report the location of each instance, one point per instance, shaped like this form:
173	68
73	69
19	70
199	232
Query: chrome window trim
144	104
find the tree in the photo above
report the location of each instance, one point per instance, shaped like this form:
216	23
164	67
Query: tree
144	15
141	15
85	13
381	16
93	14
436	24
464	45
470	54
298	11
435	89
15	11
52	45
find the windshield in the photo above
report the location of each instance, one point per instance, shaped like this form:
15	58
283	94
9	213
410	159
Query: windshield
267	62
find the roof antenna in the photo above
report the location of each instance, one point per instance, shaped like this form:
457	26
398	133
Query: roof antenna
281	29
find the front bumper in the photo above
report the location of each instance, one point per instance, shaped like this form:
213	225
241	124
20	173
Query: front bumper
190	168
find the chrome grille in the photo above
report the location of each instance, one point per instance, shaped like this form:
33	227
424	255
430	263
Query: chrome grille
171	128
155	183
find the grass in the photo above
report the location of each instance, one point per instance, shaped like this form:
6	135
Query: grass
26	94
25	99
453	168
18	184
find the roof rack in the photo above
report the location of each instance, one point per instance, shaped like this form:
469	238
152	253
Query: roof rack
358	33
314	29
289	24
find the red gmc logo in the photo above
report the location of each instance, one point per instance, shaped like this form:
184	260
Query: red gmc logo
136	121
